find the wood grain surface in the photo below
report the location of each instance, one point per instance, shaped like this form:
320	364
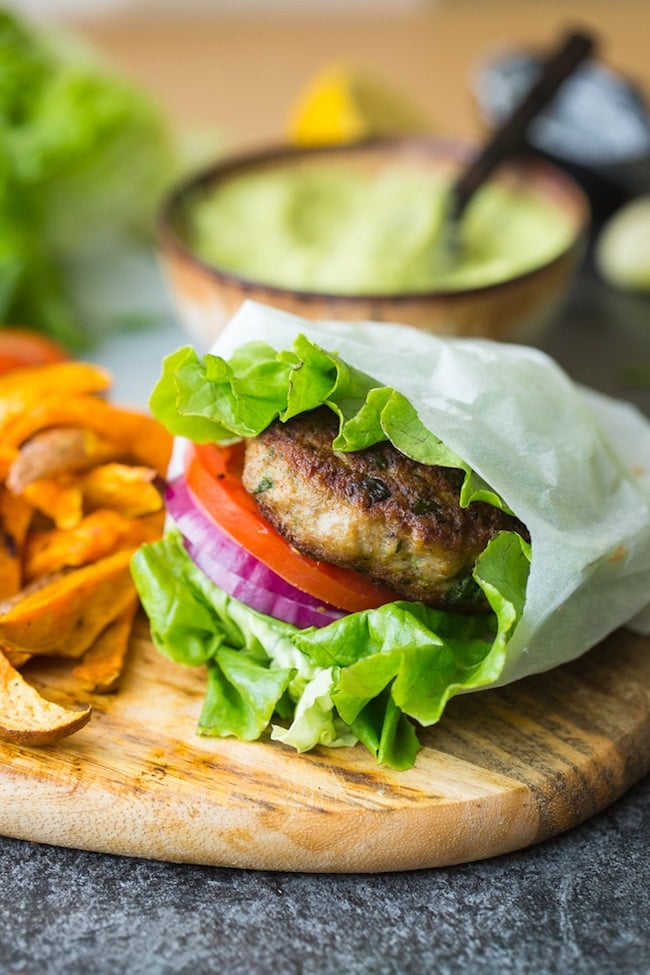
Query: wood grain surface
504	769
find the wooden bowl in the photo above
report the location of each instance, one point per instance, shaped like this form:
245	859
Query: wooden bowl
516	309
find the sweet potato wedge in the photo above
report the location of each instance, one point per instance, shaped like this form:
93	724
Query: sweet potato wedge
24	390
99	534
7	457
57	450
63	616
80	490
26	718
17	658
138	435
133	491
59	498
101	668
15	518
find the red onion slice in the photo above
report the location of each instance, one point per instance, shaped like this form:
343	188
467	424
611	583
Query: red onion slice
238	572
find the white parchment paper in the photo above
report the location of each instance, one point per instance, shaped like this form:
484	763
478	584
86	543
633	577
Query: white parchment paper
573	465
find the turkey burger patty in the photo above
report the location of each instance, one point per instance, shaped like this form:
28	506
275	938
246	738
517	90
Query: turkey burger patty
397	521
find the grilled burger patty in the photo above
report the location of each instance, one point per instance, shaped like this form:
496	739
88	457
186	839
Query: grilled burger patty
397	521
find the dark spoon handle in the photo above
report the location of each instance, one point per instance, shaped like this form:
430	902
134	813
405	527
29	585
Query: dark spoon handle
571	52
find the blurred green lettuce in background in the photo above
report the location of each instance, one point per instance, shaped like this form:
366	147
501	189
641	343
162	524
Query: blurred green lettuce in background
84	160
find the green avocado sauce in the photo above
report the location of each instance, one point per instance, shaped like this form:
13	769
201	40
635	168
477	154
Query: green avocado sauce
338	230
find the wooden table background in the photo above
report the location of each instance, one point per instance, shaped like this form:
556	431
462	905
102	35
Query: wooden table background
240	73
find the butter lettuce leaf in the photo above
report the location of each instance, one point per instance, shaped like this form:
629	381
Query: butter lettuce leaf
242	695
567	461
373	676
570	463
211	399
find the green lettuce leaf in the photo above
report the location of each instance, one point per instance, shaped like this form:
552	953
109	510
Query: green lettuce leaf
565	459
209	399
242	695
371	676
84	159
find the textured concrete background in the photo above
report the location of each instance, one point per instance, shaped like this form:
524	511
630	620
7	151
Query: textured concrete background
574	905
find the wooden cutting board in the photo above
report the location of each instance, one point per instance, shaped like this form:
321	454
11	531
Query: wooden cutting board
504	769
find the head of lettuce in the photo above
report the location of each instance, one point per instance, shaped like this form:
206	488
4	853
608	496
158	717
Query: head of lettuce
85	157
567	462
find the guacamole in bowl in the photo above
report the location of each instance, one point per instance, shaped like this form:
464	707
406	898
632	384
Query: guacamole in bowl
340	229
357	232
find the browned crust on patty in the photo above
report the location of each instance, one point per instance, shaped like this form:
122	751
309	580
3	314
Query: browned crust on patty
397	521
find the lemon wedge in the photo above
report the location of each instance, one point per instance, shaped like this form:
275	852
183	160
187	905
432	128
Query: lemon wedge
345	105
622	251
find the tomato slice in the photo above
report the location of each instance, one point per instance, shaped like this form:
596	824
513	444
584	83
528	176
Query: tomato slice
19	348
214	476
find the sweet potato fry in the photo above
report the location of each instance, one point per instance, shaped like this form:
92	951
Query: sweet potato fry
24	390
102	665
15	517
17	658
7	457
80	490
139	435
97	535
133	491
26	718
58	450
64	616
60	498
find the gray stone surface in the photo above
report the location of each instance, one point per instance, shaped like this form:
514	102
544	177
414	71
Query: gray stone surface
576	904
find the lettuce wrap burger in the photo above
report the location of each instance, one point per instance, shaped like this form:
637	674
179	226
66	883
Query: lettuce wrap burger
365	520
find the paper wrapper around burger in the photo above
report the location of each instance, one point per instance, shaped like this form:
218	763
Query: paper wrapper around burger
572	464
